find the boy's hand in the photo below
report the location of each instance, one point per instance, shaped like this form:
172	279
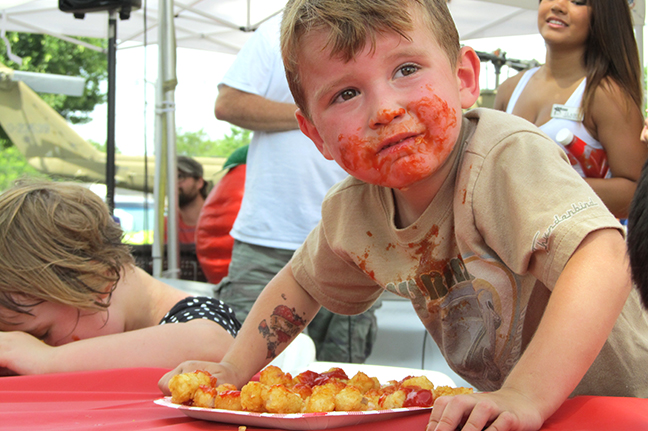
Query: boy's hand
23	353
502	410
224	373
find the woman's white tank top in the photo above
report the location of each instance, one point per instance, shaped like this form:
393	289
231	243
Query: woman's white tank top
554	125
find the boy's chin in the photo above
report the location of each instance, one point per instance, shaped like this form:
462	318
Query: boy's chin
397	183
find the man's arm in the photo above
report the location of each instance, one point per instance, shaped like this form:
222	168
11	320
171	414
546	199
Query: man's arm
157	346
279	314
254	112
584	305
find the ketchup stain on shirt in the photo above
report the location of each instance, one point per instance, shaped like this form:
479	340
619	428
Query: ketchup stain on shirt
429	270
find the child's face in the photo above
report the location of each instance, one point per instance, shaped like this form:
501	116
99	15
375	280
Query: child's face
58	324
390	116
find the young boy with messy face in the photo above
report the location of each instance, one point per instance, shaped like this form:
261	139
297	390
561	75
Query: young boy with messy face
520	283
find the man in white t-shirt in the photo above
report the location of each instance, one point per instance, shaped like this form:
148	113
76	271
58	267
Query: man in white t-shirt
285	184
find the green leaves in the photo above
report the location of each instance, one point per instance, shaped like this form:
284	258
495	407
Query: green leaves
198	144
47	54
13	165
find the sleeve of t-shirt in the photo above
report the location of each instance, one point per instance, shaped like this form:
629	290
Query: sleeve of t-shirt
323	268
529	204
255	62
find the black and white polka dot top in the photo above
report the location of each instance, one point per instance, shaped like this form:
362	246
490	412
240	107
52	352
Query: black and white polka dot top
203	307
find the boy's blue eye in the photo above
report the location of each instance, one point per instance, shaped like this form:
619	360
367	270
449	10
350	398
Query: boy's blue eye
345	95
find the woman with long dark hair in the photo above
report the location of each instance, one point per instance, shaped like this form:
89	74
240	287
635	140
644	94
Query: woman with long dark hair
590	85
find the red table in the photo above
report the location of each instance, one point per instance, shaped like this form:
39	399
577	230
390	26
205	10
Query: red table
123	400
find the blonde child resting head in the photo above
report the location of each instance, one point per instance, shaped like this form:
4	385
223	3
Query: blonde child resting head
72	299
519	276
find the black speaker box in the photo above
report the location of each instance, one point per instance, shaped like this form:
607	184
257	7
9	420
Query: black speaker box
80	7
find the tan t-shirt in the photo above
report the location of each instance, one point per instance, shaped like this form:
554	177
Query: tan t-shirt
511	196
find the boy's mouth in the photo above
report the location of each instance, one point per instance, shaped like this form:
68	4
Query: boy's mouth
399	140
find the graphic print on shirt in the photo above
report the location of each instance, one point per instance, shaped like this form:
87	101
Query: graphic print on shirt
463	313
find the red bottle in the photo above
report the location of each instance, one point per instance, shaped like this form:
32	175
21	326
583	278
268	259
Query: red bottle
593	161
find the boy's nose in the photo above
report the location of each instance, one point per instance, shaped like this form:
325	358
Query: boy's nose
386	116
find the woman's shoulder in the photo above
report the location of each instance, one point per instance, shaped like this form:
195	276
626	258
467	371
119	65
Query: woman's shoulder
612	103
610	91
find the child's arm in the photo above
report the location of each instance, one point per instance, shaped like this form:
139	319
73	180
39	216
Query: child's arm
583	307
279	314
156	346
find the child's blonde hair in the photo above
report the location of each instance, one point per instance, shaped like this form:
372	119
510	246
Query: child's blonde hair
351	24
58	243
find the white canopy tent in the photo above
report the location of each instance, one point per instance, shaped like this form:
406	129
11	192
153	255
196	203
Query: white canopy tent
224	26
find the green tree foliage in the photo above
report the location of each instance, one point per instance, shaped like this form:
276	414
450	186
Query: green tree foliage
13	166
198	144
47	54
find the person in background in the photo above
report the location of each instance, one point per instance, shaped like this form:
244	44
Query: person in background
213	240
525	289
192	192
72	299
591	84
286	180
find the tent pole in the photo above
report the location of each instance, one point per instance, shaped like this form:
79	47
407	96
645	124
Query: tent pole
110	144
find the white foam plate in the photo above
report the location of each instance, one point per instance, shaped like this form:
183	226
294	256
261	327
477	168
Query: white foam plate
295	421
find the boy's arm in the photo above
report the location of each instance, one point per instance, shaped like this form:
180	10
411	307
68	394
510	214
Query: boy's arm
156	346
584	305
279	314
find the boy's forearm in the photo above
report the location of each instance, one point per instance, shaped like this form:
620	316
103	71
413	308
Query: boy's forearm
560	353
280	313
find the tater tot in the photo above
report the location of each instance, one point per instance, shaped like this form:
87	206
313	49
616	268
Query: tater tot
272	375
279	399
321	400
394	400
252	397
228	400
364	382
204	397
421	382
350	399
304	391
447	390
183	386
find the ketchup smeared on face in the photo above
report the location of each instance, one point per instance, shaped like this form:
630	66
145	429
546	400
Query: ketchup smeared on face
403	152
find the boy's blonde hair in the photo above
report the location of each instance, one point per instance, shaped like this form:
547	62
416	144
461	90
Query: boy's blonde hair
351	24
58	243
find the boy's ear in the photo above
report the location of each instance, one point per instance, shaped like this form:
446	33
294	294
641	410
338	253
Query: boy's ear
308	128
468	66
